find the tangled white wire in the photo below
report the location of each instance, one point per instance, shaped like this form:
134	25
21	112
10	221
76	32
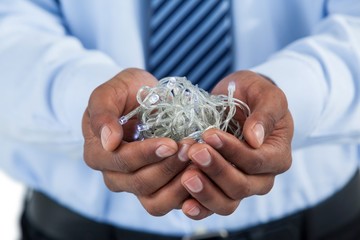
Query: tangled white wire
177	109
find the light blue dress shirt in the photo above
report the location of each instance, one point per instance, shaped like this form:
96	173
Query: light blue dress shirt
53	56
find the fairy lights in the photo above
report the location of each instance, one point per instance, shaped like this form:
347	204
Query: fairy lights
177	109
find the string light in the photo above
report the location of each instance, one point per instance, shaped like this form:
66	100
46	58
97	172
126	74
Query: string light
177	109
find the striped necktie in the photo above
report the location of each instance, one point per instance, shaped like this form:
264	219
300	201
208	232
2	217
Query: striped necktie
190	38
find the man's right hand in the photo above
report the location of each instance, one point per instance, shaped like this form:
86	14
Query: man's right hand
149	168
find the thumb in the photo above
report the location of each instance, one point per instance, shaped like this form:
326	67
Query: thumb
104	127
110	135
113	99
254	132
264	119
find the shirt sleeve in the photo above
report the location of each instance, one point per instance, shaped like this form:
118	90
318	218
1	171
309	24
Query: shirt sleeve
320	75
46	75
46	78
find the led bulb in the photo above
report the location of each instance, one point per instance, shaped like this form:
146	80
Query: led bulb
142	127
154	98
171	83
231	86
123	120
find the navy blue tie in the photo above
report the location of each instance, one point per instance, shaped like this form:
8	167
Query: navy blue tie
190	38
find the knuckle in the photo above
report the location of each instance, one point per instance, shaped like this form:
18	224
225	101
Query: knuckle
228	209
89	158
140	187
242	191
256	165
95	94
97	119
216	172
282	98
154	211
110	183
154	208
284	163
121	163
144	154
268	185
287	163
168	169
91	163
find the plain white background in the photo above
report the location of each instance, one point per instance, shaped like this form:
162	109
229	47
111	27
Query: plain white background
11	200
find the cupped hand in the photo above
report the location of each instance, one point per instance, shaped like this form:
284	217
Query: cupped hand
150	168
226	169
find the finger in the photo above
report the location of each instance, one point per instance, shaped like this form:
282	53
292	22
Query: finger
194	210
267	103
93	151
105	106
233	182
230	180
268	106
184	146
208	194
211	196
111	100
169	197
146	180
273	157
129	157
86	128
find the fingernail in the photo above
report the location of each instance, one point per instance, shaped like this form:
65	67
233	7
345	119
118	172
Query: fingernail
105	134
194	184
259	132
183	153
214	141
164	151
194	211
202	157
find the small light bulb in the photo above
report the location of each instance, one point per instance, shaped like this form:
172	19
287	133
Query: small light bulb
154	98
231	86
171	83
142	127
123	120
